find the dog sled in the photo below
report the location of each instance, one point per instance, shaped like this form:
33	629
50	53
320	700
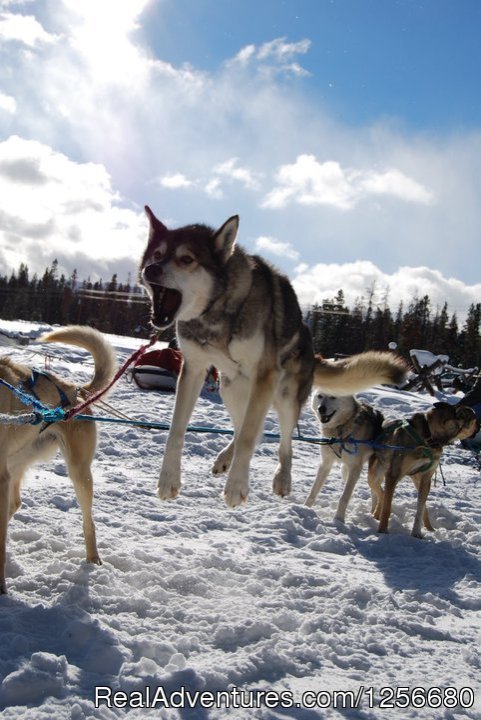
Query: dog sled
160	369
430	372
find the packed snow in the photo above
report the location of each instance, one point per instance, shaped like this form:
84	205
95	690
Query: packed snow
269	611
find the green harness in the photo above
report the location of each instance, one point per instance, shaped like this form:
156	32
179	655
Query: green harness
414	435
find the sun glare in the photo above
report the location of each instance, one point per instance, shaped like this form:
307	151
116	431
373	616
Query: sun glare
102	31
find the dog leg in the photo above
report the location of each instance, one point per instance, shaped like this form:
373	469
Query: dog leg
83	483
16	476
322	473
374	479
188	388
389	487
78	449
288	414
352	474
4	509
260	400
424	486
426	518
235	394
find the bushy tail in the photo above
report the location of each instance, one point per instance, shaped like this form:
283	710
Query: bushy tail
358	372
94	342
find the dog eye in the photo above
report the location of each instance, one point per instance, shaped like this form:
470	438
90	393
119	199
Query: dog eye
157	255
186	259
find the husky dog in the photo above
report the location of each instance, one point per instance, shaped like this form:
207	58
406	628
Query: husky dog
347	419
427	434
22	445
236	312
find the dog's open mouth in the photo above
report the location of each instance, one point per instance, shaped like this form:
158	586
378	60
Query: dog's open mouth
324	417
165	305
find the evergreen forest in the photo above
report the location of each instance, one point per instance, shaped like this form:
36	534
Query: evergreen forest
337	329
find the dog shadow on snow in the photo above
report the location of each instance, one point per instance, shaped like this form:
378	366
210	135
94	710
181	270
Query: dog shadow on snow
428	565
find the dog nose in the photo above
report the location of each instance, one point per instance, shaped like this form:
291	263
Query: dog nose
153	272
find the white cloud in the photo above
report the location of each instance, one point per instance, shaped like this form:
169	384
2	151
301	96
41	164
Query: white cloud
359	279
175	181
394	182
8	103
274	56
227	171
24	29
231	170
309	182
54	207
245	54
214	189
276	247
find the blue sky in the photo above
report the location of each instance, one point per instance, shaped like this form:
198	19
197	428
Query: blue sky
368	59
346	134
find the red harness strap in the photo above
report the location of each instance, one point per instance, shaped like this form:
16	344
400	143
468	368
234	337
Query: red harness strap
93	398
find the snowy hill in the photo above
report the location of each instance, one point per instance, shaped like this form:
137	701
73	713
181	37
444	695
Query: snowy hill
273	599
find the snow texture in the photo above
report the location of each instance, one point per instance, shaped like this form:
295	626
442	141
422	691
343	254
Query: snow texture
195	599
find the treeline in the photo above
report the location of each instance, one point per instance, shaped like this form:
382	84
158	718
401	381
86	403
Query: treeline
123	309
111	307
338	329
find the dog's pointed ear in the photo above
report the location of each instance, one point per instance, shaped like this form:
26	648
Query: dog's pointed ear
225	237
155	225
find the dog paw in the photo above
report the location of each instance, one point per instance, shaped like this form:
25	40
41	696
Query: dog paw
310	501
236	493
223	461
281	483
95	560
339	517
167	492
169	485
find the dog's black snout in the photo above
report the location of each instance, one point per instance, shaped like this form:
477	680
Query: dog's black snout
153	272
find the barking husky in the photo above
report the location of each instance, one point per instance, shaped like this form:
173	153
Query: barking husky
22	445
348	419
236	312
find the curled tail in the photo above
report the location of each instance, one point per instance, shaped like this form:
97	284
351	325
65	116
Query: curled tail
358	372
94	342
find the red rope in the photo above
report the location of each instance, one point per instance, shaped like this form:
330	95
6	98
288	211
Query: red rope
93	398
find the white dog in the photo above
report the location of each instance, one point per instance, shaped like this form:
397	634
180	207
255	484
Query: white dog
347	419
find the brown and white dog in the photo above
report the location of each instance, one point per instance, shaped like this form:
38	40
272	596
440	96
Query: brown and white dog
22	445
421	440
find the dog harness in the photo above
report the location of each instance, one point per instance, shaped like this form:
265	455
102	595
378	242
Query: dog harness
32	381
414	435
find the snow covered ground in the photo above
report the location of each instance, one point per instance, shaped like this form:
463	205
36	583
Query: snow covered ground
272	605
